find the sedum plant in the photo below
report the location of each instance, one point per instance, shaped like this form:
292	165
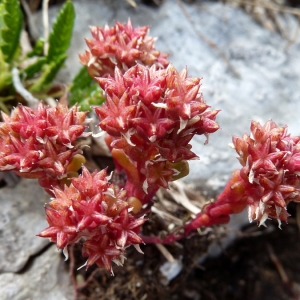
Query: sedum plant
150	114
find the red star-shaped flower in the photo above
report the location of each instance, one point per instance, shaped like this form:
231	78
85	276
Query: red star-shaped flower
263	157
90	184
90	211
125	229
101	250
62	229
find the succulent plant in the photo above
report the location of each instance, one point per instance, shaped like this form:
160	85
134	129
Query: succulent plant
150	115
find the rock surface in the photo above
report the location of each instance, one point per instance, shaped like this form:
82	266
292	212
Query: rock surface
22	217
46	278
261	83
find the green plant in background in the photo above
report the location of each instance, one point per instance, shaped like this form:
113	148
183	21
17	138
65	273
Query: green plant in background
85	91
59	41
39	67
11	20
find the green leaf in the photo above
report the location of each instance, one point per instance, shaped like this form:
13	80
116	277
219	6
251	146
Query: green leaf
49	72
81	80
85	91
5	74
92	95
60	36
2	24
34	68
10	27
37	49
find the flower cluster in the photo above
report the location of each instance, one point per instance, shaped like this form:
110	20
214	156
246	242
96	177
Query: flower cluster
267	181
41	143
120	46
95	212
151	115
271	165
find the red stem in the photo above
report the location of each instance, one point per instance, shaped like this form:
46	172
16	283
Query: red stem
232	200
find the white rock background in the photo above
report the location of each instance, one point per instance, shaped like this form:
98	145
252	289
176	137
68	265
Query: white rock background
22	276
267	87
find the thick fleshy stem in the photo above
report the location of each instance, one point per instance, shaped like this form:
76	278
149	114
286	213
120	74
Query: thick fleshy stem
137	191
232	200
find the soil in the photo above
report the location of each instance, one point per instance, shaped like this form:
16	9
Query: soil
262	264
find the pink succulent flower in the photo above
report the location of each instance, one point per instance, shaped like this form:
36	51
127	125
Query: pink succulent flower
102	251
267	182
62	227
41	143
269	164
120	46
95	212
151	115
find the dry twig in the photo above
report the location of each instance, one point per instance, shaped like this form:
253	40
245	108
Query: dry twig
164	251
132	3
179	195
269	5
31	100
266	12
293	286
46	25
298	216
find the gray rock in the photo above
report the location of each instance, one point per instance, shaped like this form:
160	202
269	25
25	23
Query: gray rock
45	279
265	84
268	81
22	216
259	80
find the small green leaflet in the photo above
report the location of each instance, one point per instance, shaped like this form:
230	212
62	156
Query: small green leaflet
59	42
11	22
34	68
38	48
49	72
61	34
85	91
